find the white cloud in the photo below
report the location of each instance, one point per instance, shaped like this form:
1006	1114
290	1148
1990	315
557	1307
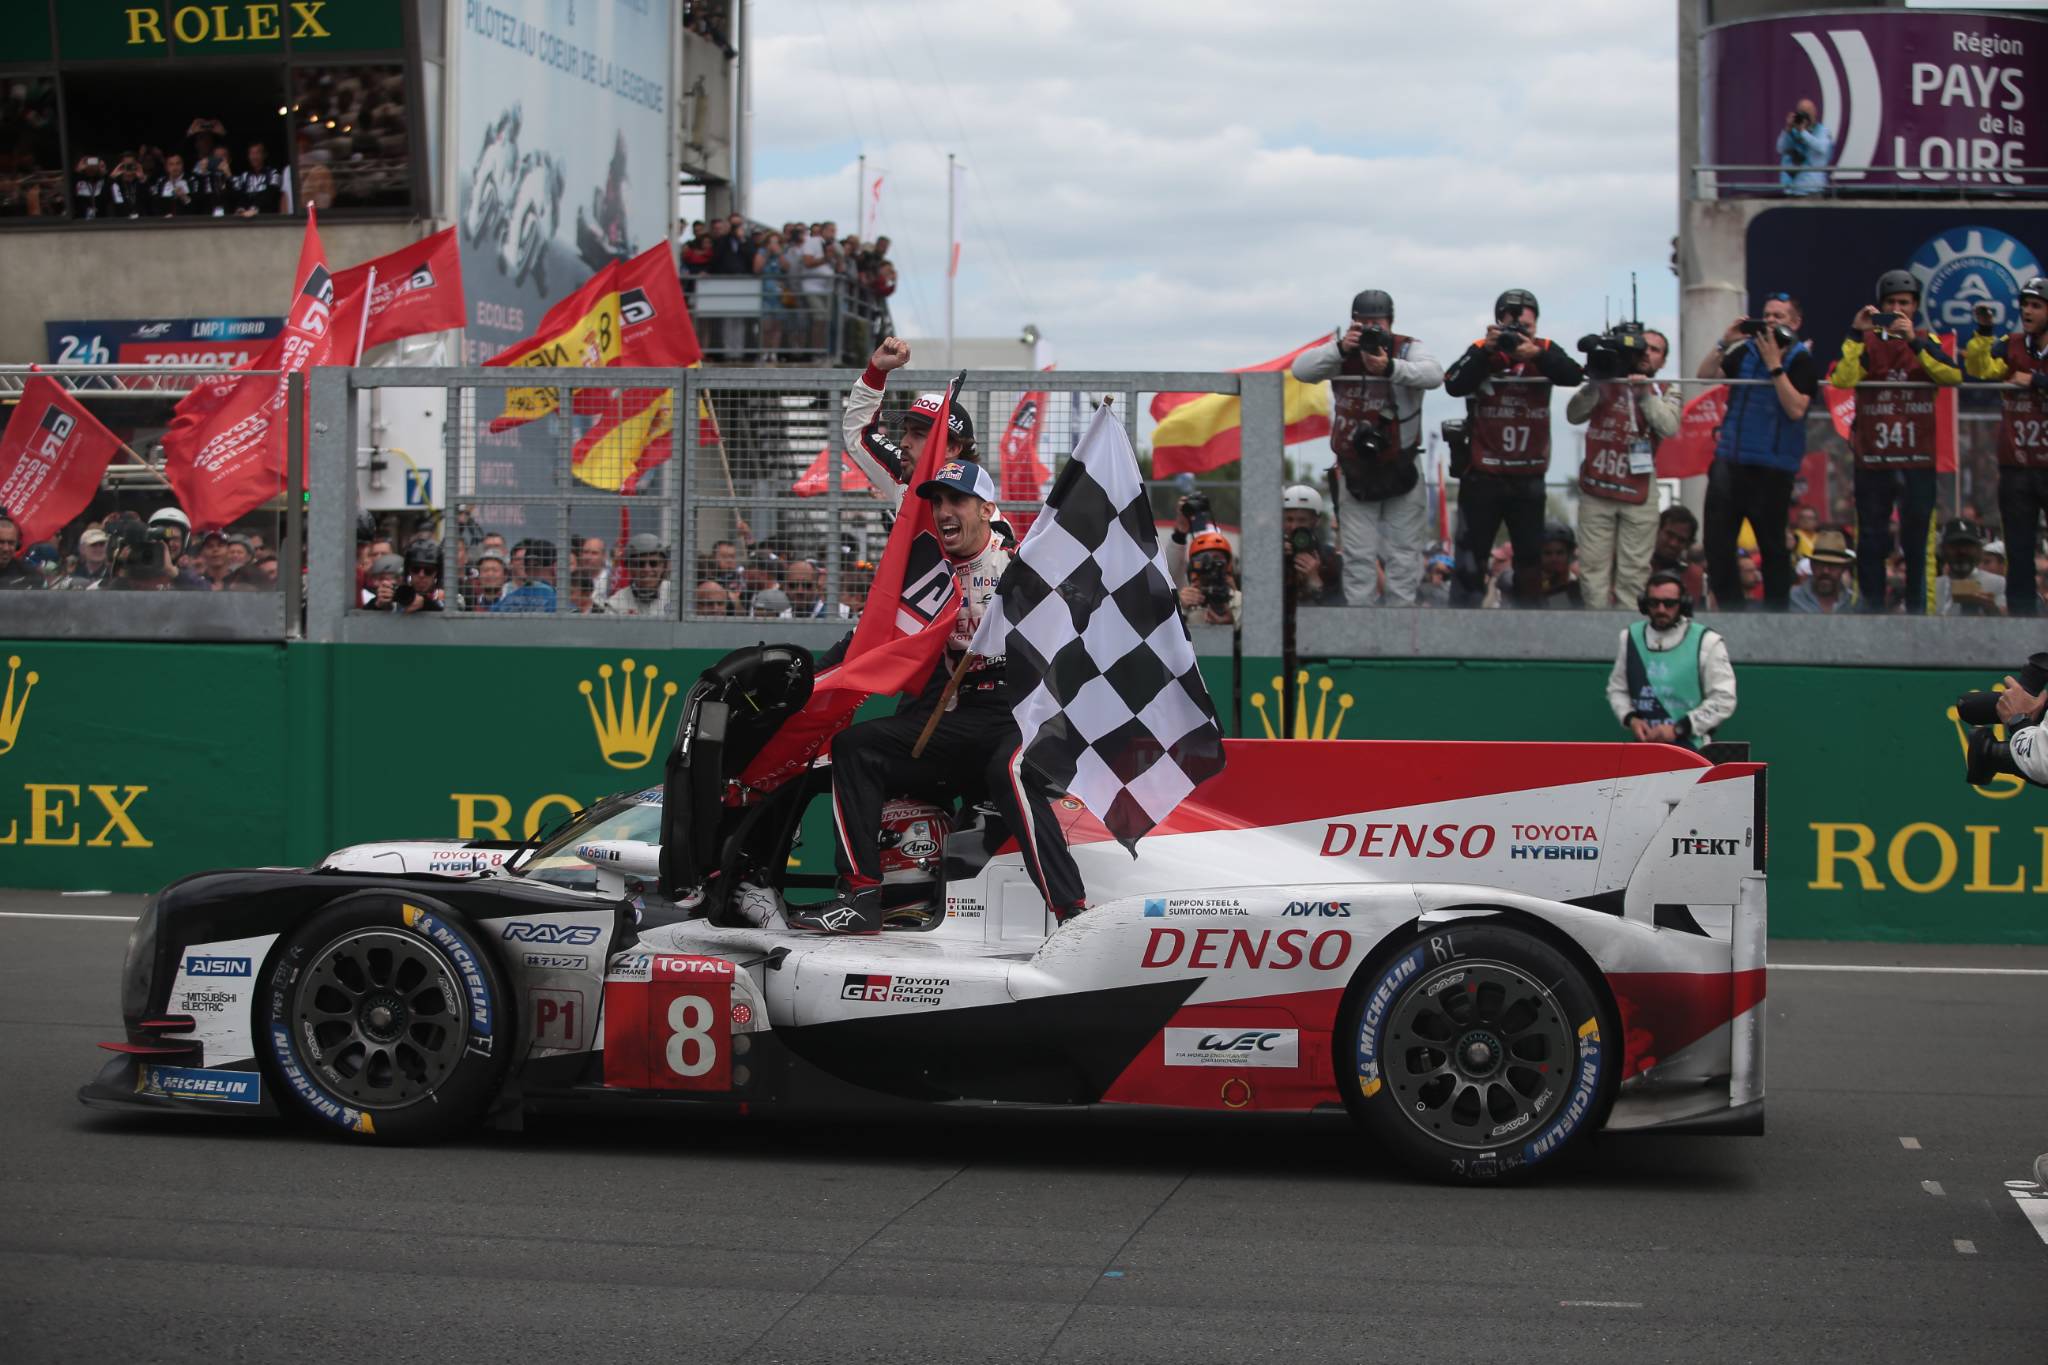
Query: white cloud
1194	184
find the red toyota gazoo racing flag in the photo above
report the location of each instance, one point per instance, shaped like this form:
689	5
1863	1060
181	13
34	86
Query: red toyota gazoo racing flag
231	460
417	289
902	631
51	459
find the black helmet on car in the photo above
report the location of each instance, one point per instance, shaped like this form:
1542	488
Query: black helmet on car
1515	300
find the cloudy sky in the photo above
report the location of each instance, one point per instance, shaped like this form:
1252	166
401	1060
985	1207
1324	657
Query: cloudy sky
1201	184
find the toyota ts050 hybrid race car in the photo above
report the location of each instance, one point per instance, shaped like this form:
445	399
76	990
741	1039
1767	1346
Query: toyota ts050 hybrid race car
1482	953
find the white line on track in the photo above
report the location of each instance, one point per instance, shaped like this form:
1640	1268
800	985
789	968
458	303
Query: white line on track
1910	1144
38	914
1966	1246
1933	1187
1597	1303
2034	1204
1908	971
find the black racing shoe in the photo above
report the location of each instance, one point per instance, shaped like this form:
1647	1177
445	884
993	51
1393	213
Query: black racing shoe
851	912
1986	758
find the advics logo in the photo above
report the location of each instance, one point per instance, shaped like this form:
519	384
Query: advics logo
1326	909
1968	266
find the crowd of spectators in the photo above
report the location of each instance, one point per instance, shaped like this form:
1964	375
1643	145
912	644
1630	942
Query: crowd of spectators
124	552
804	270
198	178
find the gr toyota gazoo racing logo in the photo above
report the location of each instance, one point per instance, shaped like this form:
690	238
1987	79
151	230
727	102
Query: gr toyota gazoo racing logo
928	585
1968	266
894	990
634	308
57	426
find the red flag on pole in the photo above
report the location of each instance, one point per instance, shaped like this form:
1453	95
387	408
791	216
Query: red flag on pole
231	458
902	631
816	480
1025	476
418	289
1691	451
51	459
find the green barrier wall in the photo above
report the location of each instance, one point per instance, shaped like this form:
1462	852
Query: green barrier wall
127	765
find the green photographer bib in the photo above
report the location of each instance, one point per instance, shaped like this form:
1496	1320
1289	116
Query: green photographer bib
1665	683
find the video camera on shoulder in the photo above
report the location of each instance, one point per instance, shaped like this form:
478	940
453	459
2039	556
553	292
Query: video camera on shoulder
1615	353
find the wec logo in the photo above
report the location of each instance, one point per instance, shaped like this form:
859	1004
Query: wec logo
1326	909
1255	1041
528	931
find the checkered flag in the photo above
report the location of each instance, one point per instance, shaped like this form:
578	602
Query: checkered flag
1111	706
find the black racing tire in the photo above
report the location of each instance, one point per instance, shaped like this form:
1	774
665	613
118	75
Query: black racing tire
384	1017
1477	1052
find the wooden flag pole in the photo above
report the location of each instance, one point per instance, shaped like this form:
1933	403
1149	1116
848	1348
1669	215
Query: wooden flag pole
945	700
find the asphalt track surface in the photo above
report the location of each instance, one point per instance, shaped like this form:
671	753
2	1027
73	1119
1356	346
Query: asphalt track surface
1873	1223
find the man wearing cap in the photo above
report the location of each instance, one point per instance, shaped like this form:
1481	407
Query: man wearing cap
647	585
380	584
1506	379
975	744
91	569
1965	587
2019	362
1377	379
1828	591
1890	361
888	463
1672	682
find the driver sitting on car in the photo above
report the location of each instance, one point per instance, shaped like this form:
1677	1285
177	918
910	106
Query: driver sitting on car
976	741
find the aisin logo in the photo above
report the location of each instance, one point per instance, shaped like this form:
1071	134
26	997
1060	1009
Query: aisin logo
627	729
13	708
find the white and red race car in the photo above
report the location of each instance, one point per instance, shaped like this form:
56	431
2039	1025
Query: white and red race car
1481	953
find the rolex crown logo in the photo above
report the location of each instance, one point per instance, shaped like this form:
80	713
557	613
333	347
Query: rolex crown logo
13	706
627	728
1326	725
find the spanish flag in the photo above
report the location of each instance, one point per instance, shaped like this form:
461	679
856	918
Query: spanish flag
1199	431
629	438
630	313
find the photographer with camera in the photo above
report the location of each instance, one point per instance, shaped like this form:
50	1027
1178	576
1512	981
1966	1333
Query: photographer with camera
1625	416
1506	379
1315	571
1894	434
1760	446
2019	361
1211	596
1804	145
1672	682
1377	379
380	584
142	557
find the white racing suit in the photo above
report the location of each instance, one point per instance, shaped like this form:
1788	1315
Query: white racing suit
974	749
886	464
2029	749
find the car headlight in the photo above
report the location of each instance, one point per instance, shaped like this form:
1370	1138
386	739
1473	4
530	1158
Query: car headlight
138	971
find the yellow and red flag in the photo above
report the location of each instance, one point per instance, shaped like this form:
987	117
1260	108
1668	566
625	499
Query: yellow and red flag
1200	431
631	313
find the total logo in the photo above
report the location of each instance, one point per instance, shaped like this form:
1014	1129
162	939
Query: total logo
1322	909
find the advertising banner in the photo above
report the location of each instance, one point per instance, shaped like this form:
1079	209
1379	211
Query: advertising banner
1929	98
226	342
562	167
1830	260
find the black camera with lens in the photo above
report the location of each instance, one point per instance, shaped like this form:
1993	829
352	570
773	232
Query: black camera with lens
138	551
1985	756
1195	507
1615	353
1210	571
1375	340
1302	541
1786	337
1510	338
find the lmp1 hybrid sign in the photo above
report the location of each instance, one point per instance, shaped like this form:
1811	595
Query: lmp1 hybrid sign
1912	98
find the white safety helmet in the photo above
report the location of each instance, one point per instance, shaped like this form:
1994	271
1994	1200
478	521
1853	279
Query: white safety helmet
170	516
1299	497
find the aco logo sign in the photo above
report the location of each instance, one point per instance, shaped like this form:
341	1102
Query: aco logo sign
61	814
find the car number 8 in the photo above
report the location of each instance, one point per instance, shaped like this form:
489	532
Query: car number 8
689	1020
